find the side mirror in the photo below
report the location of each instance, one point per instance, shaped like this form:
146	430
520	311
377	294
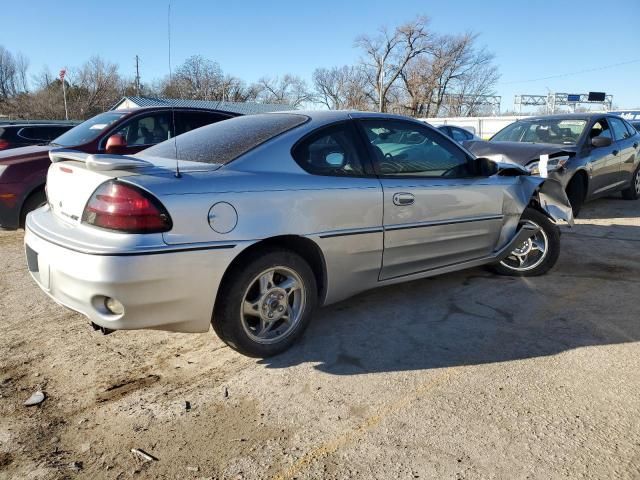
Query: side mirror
600	141
335	159
116	144
486	167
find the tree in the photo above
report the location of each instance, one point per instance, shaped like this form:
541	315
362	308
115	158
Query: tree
387	54
449	77
7	74
289	90
197	78
95	87
341	87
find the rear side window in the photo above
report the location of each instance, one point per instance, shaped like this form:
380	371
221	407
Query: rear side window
632	131
460	135
330	151
54	132
187	121
223	142
33	133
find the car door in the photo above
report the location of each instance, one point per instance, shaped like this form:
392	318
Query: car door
435	211
627	150
634	136
604	163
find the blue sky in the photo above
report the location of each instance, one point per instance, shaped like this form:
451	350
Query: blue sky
531	39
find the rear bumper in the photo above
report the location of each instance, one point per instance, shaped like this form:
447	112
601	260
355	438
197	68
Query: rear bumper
172	291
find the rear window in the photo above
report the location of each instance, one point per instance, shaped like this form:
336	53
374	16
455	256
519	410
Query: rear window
225	141
32	133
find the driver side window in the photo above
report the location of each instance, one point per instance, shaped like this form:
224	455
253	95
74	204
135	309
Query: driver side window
407	149
600	129
146	130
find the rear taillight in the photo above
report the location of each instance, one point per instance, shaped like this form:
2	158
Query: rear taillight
125	208
4	144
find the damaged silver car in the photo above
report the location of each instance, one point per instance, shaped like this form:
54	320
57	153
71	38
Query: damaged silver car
249	224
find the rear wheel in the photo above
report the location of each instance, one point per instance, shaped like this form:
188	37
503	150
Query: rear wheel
536	255
633	192
265	303
33	201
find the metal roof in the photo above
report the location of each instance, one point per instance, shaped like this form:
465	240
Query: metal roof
244	108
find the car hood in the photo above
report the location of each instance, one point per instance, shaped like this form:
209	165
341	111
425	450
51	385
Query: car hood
19	154
520	153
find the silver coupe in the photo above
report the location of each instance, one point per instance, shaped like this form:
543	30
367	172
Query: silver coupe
250	223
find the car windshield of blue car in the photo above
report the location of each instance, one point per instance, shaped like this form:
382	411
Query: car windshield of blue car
555	131
87	131
225	141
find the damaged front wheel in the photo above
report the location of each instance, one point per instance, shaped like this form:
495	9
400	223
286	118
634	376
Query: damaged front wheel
538	253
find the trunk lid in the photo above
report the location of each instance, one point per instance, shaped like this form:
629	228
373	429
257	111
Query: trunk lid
70	184
74	176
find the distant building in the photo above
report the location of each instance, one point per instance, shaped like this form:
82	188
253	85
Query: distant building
244	108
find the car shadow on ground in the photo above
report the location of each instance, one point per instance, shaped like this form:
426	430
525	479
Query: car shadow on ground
613	206
475	317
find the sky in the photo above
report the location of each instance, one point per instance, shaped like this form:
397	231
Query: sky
585	45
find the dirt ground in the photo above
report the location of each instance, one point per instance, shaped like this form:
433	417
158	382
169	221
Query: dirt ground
462	376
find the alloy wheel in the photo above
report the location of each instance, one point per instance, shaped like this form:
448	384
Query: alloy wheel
273	305
530	253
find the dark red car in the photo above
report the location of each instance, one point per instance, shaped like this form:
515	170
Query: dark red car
23	171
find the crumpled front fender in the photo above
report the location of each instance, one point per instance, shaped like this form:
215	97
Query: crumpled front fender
546	192
553	200
549	194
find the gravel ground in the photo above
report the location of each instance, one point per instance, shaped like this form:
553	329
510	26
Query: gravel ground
467	375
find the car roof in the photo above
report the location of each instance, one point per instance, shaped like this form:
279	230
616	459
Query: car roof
129	111
568	116
22	125
326	116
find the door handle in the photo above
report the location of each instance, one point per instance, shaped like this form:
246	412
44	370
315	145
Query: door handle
635	145
402	199
615	152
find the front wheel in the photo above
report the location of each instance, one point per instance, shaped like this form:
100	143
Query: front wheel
536	255
633	192
265	303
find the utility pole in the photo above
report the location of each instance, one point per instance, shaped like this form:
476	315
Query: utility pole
137	76
63	72
381	88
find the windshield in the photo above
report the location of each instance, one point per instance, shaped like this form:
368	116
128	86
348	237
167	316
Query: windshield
225	141
556	131
89	130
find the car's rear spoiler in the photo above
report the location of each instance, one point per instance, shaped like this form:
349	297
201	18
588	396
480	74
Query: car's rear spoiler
100	162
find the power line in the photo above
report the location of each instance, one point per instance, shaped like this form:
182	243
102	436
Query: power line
561	75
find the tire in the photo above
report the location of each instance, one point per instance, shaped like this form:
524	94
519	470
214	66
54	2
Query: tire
576	194
541	263
255	334
633	192
33	201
